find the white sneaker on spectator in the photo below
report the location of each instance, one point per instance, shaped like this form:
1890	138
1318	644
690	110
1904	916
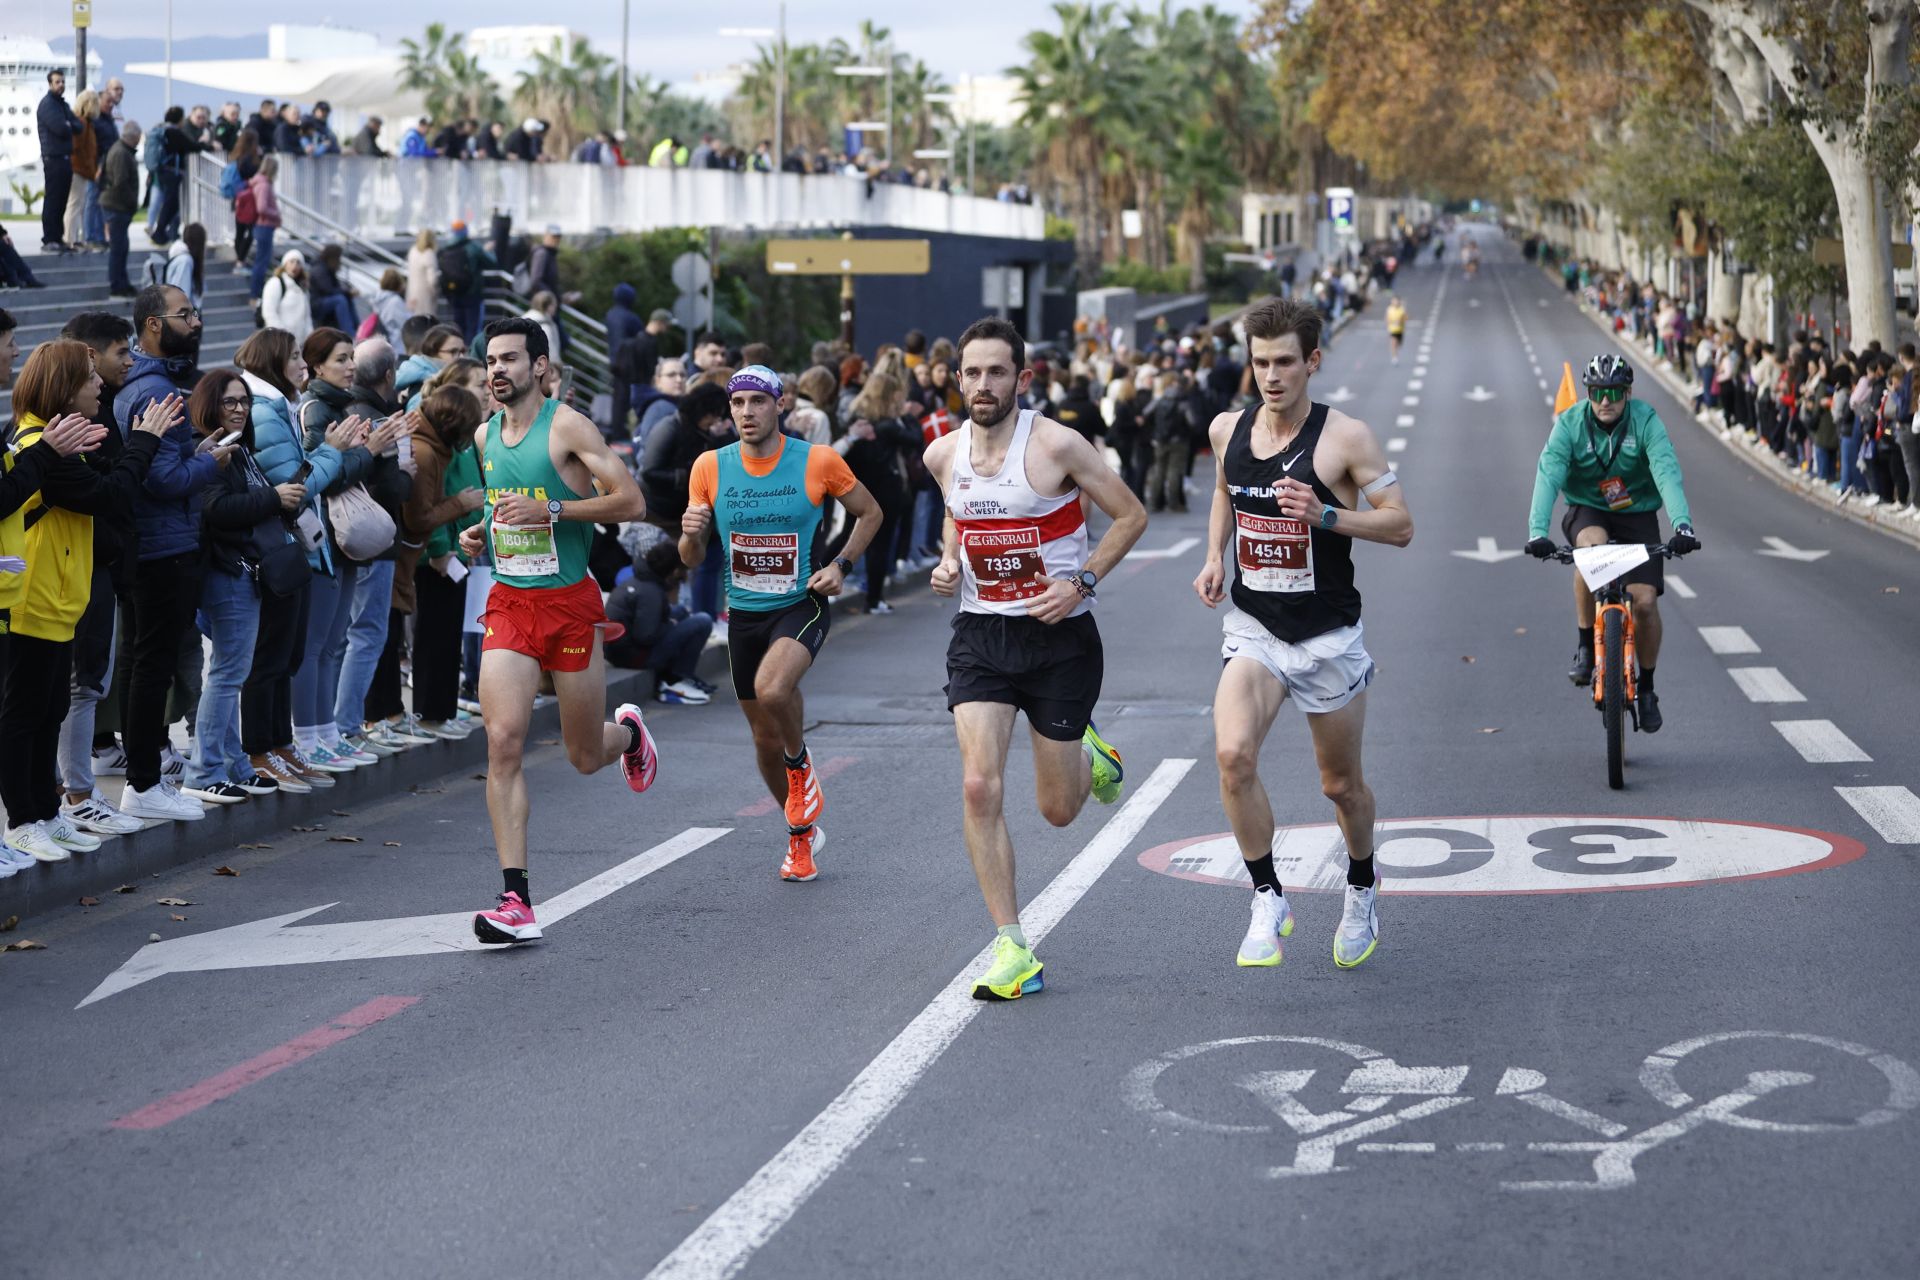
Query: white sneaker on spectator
163	802
451	730
683	692
381	738
12	860
324	760
346	749
111	763
1871	500
469	705
366	743
33	840
173	765
222	793
407	729
68	836
96	815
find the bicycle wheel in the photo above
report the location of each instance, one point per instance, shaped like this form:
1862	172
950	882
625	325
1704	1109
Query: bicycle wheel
1613	698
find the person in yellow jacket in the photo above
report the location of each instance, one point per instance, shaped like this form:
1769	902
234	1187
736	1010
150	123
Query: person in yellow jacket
668	153
1396	325
58	384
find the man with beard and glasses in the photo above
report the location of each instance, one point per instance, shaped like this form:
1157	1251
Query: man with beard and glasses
1015	550
542	463
764	495
166	584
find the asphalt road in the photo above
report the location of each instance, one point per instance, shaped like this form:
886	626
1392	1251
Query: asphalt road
704	1069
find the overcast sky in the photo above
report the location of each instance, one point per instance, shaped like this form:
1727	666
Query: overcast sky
669	41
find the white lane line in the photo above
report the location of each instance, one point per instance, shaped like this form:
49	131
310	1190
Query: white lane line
1404	420
1892	811
1410	401
1397	445
1420	371
1173	552
1415	384
1543	381
1821	742
1765	684
1728	640
1479	1146
1411	1148
735	1231
1680	587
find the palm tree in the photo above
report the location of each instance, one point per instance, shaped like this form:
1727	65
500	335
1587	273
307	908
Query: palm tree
570	90
450	79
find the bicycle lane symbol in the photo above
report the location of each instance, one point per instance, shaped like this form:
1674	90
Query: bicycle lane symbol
1377	1082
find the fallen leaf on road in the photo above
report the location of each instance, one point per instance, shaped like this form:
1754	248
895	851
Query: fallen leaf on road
225	871
419	790
9	924
1467	658
1889	591
173	916
343	839
253	846
315	827
392	844
479	777
339	813
153	937
1489	731
173	902
1519	631
126	888
25	944
89	902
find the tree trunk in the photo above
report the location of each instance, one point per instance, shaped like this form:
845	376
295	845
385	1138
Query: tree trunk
1723	289
1866	234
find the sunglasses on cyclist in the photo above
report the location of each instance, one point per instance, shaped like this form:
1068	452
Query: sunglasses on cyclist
1606	395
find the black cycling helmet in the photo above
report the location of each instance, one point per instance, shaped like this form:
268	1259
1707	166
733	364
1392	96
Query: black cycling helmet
1609	371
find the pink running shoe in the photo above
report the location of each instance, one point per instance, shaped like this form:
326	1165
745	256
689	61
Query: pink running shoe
643	765
511	921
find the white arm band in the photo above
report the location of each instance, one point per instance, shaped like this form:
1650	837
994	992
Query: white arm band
1368	490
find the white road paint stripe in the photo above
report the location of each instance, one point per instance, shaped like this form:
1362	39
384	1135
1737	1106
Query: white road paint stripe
1543	381
1412	1148
1821	742
1680	588
734	1232
1404	420
1397	445
1415	384
1410	401
1479	1146
1728	640
1892	811
1420	371
1765	684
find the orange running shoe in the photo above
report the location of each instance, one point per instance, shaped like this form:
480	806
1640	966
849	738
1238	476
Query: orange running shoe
805	804
801	848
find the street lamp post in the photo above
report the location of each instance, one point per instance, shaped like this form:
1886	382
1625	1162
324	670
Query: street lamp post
779	37
620	92
886	71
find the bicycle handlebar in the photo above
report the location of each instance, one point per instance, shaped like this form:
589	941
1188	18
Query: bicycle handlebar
1655	551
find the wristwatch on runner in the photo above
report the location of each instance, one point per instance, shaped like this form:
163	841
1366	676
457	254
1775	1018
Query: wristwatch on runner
1085	580
1328	517
844	565
553	508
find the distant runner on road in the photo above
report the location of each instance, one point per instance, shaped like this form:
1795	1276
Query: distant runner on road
1286	504
1015	549
542	462
765	496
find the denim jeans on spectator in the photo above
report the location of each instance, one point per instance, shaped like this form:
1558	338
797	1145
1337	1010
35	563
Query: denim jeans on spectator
165	594
372	599
929	521
266	700
1823	461
1910	454
230	617
336	311
117	250
262	260
165	219
93	655
677	656
92	218
470	313
386	696
440	610
704	583
316	683
1849	472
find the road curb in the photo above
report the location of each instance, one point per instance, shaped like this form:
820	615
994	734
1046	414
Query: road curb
1813	492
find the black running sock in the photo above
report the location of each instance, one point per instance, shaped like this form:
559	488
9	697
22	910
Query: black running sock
1586	637
516	878
1646	679
794	762
1264	876
633	736
1360	873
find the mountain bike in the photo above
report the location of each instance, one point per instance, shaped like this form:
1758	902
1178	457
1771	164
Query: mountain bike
1615	675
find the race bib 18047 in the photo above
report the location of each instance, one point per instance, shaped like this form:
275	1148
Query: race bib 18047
1005	563
524	551
766	564
1275	553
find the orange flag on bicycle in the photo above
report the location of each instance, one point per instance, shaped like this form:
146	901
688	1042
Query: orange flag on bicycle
1568	397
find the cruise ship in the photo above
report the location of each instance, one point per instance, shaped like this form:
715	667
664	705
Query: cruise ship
24	63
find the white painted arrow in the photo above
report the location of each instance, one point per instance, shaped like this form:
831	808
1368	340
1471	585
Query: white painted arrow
1339	396
1781	549
1488	552
1479	393
277	941
1173	552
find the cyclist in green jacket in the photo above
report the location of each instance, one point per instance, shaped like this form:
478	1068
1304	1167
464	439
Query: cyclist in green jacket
1610	458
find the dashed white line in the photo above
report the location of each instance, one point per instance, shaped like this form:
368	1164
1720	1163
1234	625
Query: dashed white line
1680	587
1410	1148
734	1232
1728	640
1765	684
1415	384
1892	811
1821	742
1543	381
1397	445
1410	401
1404	420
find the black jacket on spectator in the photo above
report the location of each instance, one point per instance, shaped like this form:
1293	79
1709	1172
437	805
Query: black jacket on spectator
450	142
322	283
75	484
640	604
1080	412
666	469
223	131
286	138
262	128
1167	417
880	463
30	468
176	144
521	145
120	179
486	146
231	508
367	143
57	124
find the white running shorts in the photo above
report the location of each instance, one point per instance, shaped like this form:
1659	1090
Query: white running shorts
1323	674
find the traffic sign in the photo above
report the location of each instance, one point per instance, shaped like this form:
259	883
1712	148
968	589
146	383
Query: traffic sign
82	14
1340	206
849	257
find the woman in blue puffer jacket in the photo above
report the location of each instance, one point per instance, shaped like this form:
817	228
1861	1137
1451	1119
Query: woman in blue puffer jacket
275	372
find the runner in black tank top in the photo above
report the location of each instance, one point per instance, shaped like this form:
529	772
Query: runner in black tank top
1295	484
1312	567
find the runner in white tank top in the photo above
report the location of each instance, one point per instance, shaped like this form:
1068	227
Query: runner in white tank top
1024	639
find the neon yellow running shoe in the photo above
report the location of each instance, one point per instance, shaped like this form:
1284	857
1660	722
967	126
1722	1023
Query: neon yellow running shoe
1108	775
1015	972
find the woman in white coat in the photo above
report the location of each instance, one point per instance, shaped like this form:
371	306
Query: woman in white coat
423	275
284	303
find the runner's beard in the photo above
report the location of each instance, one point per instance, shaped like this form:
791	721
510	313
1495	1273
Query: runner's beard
516	391
989	417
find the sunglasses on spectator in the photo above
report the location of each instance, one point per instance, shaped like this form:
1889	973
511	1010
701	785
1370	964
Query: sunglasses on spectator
1606	395
191	313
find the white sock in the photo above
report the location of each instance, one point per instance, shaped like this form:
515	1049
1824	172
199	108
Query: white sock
306	738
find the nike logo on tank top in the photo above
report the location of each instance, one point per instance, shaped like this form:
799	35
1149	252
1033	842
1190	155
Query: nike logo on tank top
1296	580
1009	535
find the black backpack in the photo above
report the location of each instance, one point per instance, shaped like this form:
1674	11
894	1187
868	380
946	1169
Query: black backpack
456	270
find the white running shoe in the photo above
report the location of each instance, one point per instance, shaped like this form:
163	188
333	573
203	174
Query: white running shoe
348	749
1272	921
12	860
173	765
451	730
68	836
687	692
111	763
409	730
327	762
163	802
34	840
221	793
1359	928
96	815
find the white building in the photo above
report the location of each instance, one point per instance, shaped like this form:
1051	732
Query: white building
24	64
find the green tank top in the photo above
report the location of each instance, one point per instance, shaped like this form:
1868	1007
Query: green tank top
539	556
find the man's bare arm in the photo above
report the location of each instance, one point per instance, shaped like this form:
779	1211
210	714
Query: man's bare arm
619	499
1087	469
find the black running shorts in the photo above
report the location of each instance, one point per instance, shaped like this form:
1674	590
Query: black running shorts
751	633
1621	526
1052	673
